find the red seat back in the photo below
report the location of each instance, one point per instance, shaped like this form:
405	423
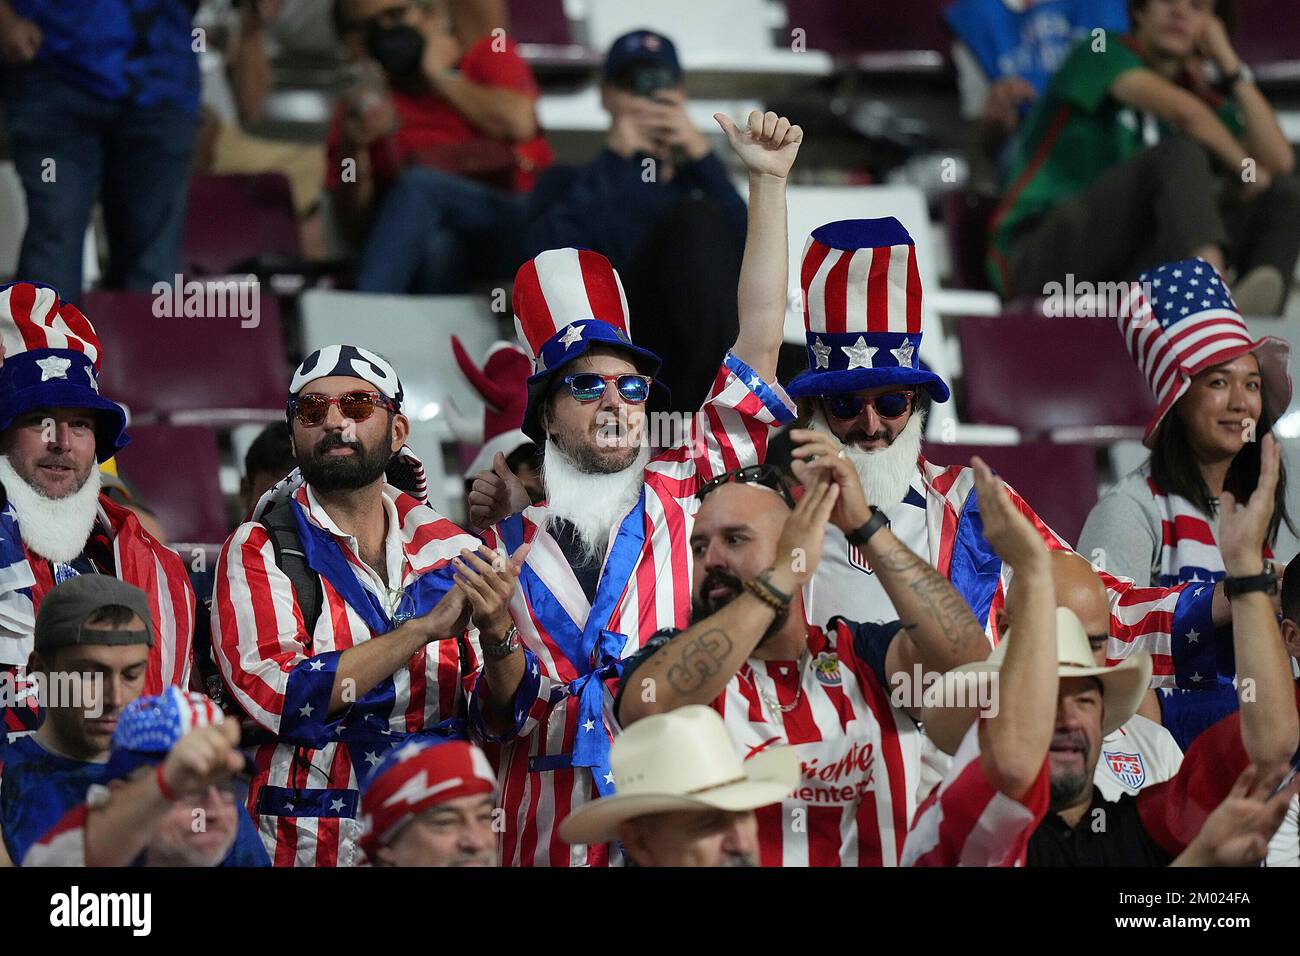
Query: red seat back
175	471
231	221
1058	481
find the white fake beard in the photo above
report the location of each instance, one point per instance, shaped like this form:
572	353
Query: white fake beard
886	473
592	503
55	528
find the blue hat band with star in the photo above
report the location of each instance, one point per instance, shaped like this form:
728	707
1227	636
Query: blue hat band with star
841	362
561	349
60	378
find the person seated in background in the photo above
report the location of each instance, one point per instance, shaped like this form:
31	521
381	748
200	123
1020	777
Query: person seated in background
430	152
684	797
1005	52
430	804
268	459
660	205
103	108
1161	822
166	798
1135	156
1218	393
237	80
828	689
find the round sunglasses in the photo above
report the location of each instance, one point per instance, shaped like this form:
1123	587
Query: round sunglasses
311	409
887	404
589	386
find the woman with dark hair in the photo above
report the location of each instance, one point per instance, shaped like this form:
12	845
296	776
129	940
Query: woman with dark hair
1218	393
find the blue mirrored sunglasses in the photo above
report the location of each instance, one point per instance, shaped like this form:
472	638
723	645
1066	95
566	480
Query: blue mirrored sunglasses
887	405
590	386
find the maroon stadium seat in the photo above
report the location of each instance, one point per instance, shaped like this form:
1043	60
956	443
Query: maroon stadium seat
175	472
1262	39
539	21
1058	481
966	216
189	370
234	222
1042	375
885	35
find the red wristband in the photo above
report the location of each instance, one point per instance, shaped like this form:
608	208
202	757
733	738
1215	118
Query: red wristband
166	791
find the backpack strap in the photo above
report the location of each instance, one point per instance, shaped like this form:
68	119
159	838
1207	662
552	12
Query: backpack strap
282	526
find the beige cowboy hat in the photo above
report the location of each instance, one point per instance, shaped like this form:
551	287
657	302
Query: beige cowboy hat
681	760
1122	686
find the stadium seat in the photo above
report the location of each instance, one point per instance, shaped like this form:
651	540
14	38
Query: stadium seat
174	470
195	370
1058	481
1273	51
966	215
1070	379
415	333
234	223
886	36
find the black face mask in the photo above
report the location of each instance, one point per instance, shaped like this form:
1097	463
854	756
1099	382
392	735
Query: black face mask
397	49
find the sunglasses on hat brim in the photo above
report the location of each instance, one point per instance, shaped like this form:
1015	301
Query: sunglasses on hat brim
311	409
769	476
893	404
588	387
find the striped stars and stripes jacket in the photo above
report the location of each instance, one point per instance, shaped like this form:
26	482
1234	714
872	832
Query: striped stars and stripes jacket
967	821
1170	623
304	794
137	558
554	705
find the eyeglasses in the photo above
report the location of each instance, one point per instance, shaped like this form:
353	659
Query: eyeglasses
887	404
311	409
766	475
589	386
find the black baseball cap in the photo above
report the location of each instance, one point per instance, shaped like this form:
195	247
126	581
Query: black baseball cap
61	620
641	47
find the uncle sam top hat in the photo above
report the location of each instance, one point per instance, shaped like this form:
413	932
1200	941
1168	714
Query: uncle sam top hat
566	301
862	310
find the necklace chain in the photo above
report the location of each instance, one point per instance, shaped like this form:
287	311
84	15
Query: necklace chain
772	703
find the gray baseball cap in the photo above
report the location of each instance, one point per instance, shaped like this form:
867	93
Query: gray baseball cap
61	620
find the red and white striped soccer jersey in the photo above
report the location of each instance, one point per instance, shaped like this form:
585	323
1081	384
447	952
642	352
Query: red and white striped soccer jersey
537	787
967	821
305	800
860	755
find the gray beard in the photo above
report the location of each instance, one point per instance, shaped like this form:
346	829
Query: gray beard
593	503
886	473
55	528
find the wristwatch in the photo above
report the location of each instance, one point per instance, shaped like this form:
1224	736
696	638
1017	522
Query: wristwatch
504	647
1243	72
861	535
1265	581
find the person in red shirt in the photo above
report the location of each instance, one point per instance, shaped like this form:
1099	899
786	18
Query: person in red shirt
432	151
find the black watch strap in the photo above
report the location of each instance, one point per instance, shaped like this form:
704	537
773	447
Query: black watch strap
863	534
1266	581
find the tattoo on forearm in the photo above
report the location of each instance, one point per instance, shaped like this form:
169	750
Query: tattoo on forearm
949	611
699	660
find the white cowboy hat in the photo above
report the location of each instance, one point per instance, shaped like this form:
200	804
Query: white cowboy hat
681	760
1122	685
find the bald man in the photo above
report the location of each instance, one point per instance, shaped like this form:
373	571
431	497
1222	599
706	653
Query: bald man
1141	752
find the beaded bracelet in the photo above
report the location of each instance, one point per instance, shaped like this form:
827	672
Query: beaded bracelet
773	597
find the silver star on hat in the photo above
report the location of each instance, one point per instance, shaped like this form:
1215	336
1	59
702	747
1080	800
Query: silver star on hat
572	334
821	352
53	367
859	353
904	352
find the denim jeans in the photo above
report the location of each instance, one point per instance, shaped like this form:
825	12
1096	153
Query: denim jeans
71	147
437	232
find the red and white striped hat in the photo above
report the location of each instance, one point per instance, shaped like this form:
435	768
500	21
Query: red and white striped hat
51	359
862	310
1180	320
565	301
